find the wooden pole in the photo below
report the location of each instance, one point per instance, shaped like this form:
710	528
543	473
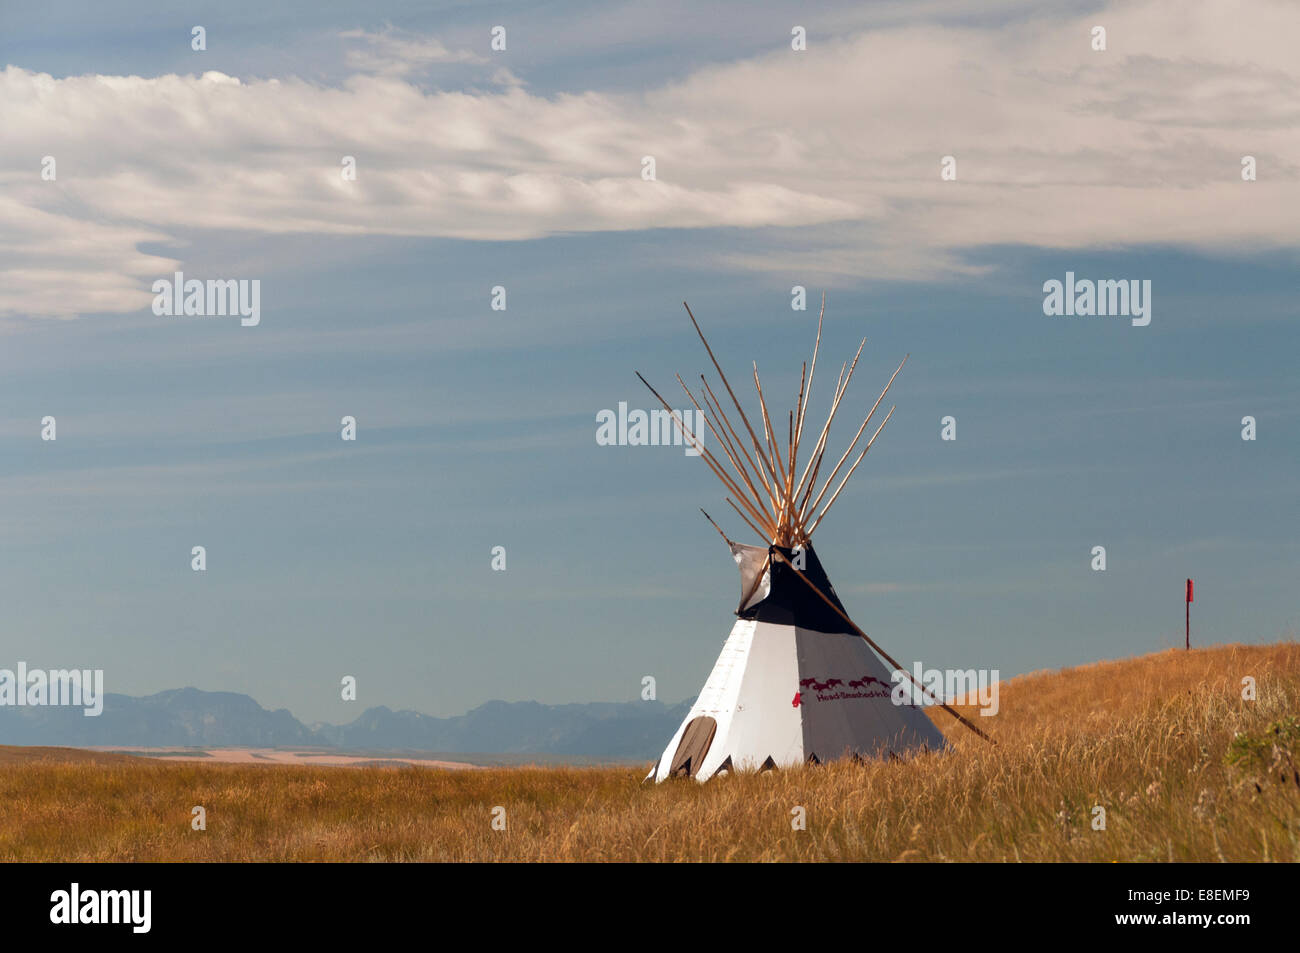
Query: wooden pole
870	443
882	652
820	447
762	533
744	418
768	525
724	443
769	434
856	436
716	407
803	404
725	538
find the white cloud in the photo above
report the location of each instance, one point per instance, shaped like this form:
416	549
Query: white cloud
1056	145
62	263
398	53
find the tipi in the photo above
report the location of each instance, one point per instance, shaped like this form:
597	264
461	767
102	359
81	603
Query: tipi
797	680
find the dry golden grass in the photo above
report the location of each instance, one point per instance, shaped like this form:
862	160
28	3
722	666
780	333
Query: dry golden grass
1148	739
10	754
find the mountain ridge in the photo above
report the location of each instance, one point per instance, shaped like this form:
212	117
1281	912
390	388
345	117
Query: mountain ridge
191	717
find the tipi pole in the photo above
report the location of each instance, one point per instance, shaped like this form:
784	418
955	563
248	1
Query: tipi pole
882	652
716	407
709	459
725	538
773	445
803	404
762	534
856	436
841	388
724	443
725	383
849	474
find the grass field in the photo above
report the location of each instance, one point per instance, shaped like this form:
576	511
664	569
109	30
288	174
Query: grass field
1183	766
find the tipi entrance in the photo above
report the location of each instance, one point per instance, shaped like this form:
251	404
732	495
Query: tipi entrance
694	745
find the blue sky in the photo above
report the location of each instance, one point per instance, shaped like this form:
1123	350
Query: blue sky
476	427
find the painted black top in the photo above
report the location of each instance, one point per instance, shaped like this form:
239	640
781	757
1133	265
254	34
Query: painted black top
792	602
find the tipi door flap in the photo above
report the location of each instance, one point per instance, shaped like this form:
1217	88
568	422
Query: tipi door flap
694	745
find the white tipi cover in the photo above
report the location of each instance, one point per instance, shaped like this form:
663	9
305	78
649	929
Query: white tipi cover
792	684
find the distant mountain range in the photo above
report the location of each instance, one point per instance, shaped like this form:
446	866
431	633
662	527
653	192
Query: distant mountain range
188	717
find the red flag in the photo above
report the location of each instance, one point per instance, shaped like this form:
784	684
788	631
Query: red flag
1189	590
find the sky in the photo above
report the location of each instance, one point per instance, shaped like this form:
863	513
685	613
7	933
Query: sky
522	169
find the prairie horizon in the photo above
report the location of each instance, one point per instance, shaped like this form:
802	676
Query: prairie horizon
1183	767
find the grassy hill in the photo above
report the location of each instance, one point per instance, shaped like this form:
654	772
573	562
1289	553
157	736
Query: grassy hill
1184	767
